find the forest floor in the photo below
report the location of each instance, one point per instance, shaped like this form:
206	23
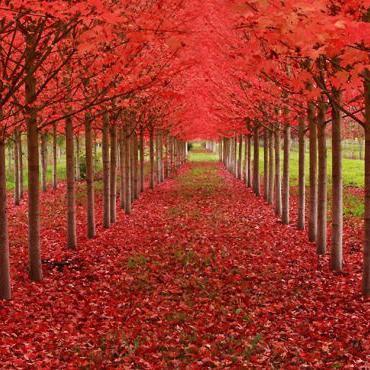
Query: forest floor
201	275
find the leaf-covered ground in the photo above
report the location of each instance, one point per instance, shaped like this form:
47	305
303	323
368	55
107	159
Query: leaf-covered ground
201	275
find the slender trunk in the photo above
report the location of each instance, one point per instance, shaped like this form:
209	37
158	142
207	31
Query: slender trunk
106	172
89	178
113	173
151	149
16	170
136	163
265	165
33	164
44	163
240	160
141	145
278	200
55	181
366	264
336	255
270	198
322	182
132	165
256	162
71	195
312	218
5	288
21	175
249	167
161	156
78	154
286	177
127	171
245	178
301	177
122	168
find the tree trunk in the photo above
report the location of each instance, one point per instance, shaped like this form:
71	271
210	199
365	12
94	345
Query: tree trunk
286	177
127	171
89	178
278	200
21	175
142	160
322	182
136	162
55	161
301	177
256	162
122	167
113	173
16	170
78	154
106	172
265	165
366	266
270	198
33	164
240	160
151	153
5	288
312	218
71	195
44	161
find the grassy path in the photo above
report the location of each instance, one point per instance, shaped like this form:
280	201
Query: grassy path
201	275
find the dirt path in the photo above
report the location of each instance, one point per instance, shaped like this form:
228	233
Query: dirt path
201	275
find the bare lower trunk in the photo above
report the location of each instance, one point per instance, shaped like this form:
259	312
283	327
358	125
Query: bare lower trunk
122	168
78	154
44	163
132	165
55	161
278	200
286	177
71	195
240	158
141	160
151	154
127	172
113	173
312	217
136	162
322	182
366	264
89	178
5	288
17	195
256	162
301	177
106	172
265	165
336	254
21	175
33	165
270	198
